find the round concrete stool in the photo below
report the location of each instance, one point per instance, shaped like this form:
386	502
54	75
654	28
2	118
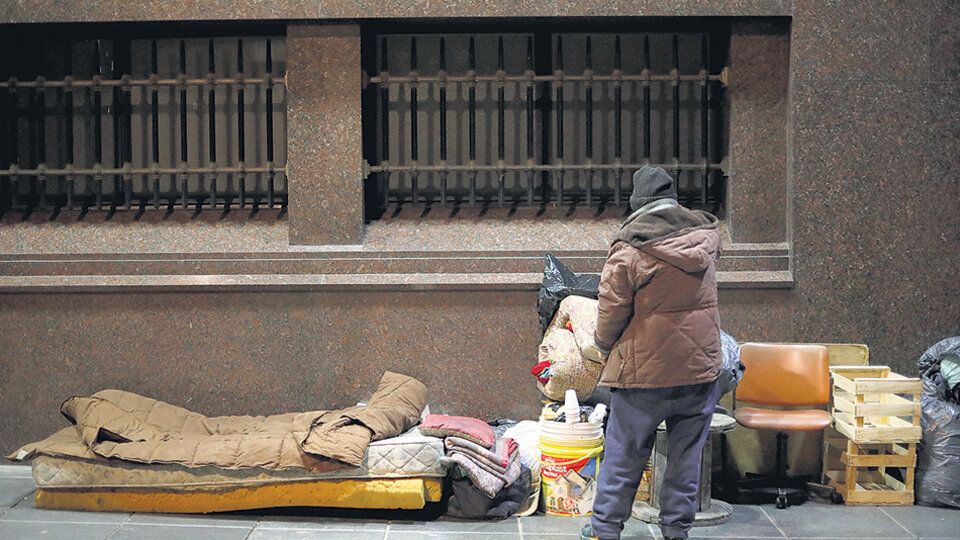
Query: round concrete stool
709	511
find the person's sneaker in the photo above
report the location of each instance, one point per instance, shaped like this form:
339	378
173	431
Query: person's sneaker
586	533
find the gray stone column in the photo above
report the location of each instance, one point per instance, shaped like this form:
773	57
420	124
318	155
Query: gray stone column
324	134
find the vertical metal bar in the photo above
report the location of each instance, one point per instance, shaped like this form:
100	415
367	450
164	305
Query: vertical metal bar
543	65
559	105
32	126
443	122
413	120
618	119
68	120
384	123
676	109
4	142
183	125
14	144
116	107
98	127
155	124
704	103
41	128
472	106
212	125
241	150
501	145
530	84
646	99
122	59
589	119
271	174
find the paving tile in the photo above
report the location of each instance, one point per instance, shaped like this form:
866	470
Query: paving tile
314	534
15	471
747	521
306	522
142	531
813	520
925	521
14	490
444	525
542	523
195	520
73	531
26	511
561	527
451	535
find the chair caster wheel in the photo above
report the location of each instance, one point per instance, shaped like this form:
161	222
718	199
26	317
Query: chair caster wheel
836	497
781	502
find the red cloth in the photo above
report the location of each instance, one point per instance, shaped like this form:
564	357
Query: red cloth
538	369
472	429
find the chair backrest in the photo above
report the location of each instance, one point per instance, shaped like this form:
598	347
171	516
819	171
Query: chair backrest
784	375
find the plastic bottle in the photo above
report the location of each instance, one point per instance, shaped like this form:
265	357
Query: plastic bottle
571	407
596	417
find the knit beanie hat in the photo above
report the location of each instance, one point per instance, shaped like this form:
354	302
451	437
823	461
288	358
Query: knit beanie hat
651	184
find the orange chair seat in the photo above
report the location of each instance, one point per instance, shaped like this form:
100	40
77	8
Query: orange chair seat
790	420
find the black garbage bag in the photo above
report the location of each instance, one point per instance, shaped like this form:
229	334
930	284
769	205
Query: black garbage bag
938	460
558	283
733	368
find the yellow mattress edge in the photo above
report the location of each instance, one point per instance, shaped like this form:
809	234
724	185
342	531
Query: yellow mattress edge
399	493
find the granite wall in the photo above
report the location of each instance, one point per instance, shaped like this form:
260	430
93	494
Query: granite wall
855	199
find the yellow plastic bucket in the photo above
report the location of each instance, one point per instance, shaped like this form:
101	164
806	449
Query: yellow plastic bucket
569	464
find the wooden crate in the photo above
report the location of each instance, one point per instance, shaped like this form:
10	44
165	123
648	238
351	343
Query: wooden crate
843	354
872	404
863	473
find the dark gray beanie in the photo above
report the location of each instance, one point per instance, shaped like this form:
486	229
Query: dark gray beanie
651	184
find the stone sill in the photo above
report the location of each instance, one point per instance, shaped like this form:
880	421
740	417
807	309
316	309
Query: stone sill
407	249
327	282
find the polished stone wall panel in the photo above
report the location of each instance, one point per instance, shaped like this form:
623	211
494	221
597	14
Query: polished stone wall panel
34	11
654	8
874	172
852	41
944	41
759	76
263	353
20	11
324	134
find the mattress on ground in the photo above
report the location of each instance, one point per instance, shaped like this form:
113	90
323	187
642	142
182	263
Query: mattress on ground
410	455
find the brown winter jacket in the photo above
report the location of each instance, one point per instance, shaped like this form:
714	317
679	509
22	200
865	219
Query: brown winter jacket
658	314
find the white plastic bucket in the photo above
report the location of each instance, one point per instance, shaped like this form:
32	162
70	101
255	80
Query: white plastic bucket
570	460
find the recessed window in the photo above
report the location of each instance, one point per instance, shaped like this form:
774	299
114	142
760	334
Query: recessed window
118	122
539	117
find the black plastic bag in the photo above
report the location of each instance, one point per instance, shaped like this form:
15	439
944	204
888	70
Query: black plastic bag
733	368
938	461
558	283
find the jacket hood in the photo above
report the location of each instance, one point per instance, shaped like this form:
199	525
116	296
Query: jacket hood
676	235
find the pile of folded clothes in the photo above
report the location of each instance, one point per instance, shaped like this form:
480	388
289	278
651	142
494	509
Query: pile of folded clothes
491	469
488	480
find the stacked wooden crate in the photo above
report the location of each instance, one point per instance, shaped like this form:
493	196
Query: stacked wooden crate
871	454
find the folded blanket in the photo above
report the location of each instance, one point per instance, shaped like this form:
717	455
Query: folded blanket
490	478
497	458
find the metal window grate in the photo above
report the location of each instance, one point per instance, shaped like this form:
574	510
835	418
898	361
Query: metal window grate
121	124
542	118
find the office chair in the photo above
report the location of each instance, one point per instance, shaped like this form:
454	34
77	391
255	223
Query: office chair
790	377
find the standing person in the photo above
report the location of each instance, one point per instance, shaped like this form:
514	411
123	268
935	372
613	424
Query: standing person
659	330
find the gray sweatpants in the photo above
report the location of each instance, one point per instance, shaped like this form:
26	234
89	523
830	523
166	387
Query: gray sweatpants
635	414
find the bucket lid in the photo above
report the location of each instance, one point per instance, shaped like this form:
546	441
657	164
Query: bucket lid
563	431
